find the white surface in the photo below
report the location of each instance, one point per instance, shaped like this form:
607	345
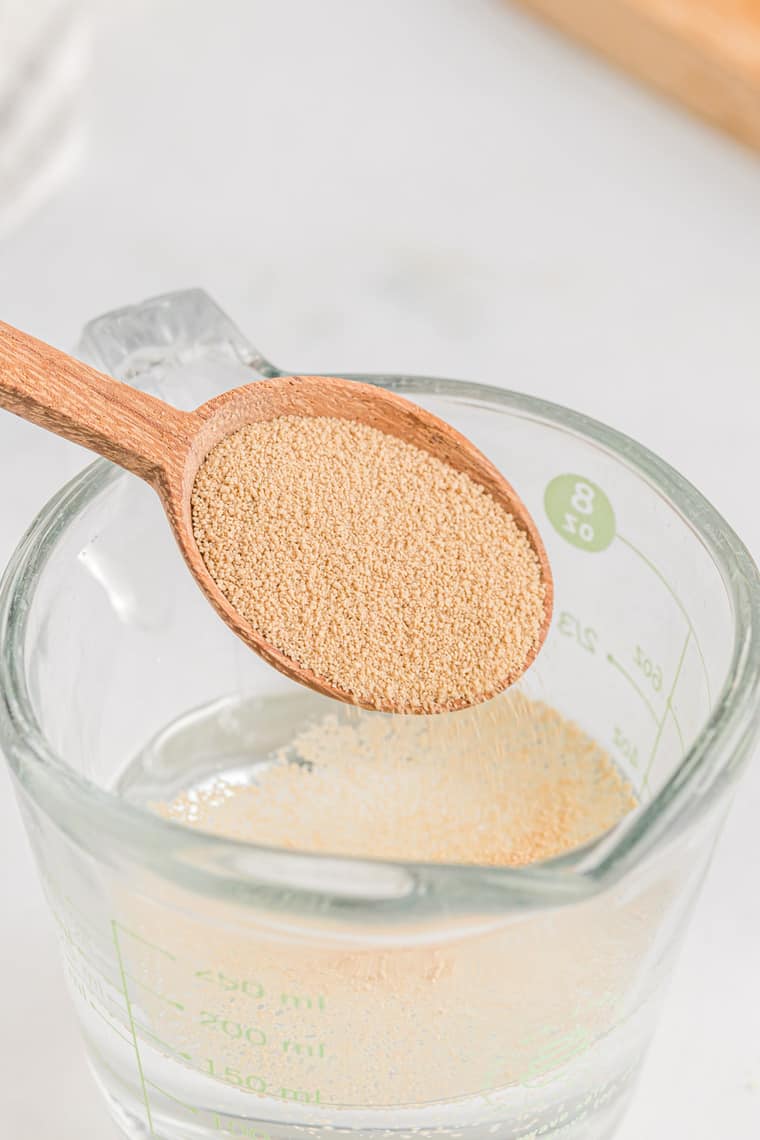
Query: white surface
431	186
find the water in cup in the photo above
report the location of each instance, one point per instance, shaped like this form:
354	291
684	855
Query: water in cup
231	978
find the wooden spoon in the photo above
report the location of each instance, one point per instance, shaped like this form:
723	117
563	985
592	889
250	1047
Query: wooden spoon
166	446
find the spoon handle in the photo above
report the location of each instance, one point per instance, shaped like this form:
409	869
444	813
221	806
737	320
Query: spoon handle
53	390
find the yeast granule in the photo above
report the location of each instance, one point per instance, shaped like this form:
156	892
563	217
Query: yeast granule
504	784
430	997
368	561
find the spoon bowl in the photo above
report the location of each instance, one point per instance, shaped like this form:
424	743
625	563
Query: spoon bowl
166	447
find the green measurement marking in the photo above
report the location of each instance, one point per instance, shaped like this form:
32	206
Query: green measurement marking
113	1025
93	965
658	737
672	712
125	988
621	669
120	1078
154	1036
65	931
171	1096
139	938
156	993
677	600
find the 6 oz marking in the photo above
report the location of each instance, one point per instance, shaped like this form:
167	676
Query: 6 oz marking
651	671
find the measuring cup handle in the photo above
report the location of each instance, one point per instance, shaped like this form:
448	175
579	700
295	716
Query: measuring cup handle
141	343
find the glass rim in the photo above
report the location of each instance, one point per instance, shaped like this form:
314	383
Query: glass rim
204	861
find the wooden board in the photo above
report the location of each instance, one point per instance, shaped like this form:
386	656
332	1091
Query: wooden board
704	53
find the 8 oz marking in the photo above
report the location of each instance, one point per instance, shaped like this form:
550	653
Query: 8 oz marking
580	511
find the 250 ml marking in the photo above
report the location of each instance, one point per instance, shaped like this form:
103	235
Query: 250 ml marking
585	636
238	1031
255	990
245	986
582	514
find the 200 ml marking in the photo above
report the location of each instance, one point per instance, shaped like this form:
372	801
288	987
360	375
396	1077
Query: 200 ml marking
581	512
626	747
215	1022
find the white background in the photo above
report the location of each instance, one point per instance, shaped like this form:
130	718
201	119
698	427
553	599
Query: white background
437	186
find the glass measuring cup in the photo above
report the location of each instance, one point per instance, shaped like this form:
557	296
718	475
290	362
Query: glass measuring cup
225	989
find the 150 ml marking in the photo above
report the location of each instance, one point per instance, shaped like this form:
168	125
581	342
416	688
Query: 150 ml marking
213	1021
207	1118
